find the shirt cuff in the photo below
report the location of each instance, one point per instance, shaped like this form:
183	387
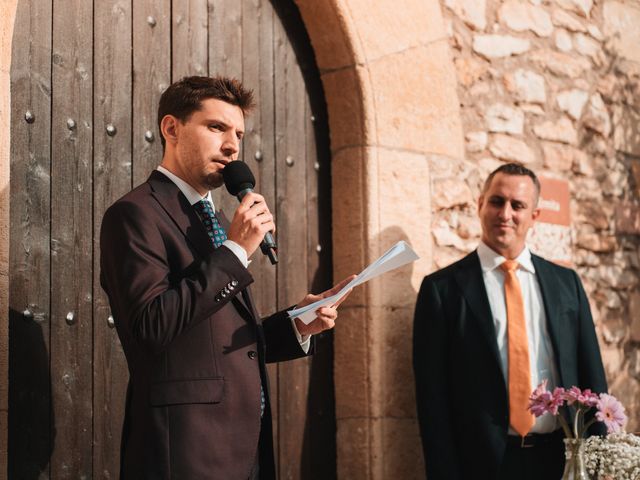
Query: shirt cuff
238	251
305	341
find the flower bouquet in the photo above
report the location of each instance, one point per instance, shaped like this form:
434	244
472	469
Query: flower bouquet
608	410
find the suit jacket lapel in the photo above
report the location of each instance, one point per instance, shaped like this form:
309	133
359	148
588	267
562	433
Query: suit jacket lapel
185	217
553	301
469	279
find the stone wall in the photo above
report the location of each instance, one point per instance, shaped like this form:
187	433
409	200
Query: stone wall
556	85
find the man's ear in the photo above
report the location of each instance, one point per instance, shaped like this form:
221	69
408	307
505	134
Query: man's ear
480	202
169	128
535	214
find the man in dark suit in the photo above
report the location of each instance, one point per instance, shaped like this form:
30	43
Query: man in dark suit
498	305
198	399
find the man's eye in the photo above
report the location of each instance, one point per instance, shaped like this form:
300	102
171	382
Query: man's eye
215	126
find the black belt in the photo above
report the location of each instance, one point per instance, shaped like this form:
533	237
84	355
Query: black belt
534	439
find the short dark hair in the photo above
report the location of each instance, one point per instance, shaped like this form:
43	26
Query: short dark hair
513	169
185	96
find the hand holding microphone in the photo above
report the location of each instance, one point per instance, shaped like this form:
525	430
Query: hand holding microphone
252	222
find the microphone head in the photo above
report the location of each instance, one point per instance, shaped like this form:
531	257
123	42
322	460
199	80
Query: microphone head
237	177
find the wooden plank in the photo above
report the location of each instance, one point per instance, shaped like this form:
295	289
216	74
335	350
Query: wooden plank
225	58
225	38
151	76
189	38
71	238
259	153
290	99
319	446
29	258
112	179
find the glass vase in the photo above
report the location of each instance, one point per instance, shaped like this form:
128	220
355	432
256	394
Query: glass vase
574	467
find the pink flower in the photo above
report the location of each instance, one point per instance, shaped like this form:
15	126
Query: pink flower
611	412
543	401
585	398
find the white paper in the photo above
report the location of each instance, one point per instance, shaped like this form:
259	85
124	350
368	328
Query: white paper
397	256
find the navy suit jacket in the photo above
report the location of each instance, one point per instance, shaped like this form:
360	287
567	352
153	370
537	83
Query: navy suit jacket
195	346
462	399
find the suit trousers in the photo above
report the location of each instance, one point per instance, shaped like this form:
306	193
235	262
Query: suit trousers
534	463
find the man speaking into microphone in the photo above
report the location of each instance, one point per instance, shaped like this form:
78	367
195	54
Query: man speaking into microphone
197	403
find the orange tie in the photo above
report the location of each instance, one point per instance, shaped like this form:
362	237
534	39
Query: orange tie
518	350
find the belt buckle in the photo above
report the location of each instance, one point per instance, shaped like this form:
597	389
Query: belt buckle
524	444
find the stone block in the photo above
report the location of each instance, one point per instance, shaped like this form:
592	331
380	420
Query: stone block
560	158
354	449
349	108
634	316
332	35
597	242
563	41
597	116
508	148
626	130
476	141
350	210
501	118
406	176
627	389
572	102
449	193
471	12
586	45
423	115
597	214
351	362
385	28
499	46
528	86
628	219
621	22
561	18
401	449
397	396
469	70
612	360
581	7
521	16
635	174
561	130
560	64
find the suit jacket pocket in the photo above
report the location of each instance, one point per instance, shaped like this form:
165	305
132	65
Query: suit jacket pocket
180	392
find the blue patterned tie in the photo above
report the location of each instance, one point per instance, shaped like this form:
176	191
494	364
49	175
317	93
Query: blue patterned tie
211	223
218	236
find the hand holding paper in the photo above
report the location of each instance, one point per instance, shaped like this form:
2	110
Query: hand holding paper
325	316
397	256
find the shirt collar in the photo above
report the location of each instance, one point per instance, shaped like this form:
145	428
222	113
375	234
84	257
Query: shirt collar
490	260
187	190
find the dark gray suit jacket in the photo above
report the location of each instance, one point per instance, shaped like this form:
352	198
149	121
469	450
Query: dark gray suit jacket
196	354
462	399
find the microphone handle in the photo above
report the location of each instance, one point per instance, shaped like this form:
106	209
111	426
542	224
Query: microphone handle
268	245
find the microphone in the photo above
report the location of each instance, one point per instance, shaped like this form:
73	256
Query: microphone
239	181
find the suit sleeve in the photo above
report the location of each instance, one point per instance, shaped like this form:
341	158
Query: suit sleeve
152	306
280	339
590	369
430	352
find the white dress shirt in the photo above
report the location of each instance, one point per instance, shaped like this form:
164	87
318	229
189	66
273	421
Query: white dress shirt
194	197
541	355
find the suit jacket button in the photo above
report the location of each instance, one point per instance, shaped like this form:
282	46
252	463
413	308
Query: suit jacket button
252	354
234	283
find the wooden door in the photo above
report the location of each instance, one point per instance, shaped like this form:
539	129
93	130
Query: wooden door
86	77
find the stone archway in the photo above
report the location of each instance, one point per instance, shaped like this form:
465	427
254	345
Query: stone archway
390	87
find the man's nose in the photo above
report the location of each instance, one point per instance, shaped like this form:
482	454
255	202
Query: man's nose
231	145
505	212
